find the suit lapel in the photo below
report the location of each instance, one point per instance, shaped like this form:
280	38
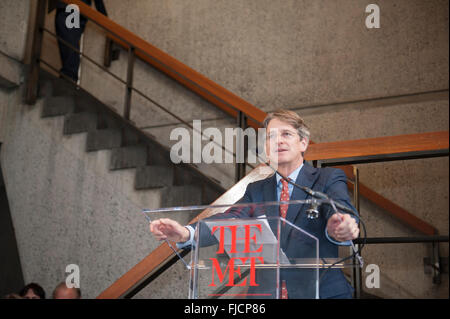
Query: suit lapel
270	195
307	177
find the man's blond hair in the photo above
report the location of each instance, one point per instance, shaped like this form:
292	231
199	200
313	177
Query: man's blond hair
291	118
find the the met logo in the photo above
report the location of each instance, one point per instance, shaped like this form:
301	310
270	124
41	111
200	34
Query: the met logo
233	267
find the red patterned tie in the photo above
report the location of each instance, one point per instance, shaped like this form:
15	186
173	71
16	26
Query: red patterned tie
283	210
284	293
284	198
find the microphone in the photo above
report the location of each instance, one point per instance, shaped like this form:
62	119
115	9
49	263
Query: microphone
320	195
313	211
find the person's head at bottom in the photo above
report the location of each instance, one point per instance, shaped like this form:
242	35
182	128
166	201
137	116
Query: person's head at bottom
32	291
63	292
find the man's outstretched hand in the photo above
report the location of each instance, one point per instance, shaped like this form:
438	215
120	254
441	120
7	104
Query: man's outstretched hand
342	227
166	228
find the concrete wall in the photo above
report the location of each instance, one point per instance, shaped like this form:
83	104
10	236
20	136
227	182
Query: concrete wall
13	35
14	17
296	53
318	58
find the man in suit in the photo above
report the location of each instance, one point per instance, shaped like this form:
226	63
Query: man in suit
287	141
70	59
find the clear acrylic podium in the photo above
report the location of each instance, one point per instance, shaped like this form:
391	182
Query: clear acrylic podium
246	251
243	258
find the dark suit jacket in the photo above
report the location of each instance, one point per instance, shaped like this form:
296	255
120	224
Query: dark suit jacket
331	181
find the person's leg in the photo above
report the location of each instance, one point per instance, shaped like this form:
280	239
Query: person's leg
70	59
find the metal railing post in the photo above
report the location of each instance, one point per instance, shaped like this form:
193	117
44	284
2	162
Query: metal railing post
435	263
241	159
129	85
33	72
357	272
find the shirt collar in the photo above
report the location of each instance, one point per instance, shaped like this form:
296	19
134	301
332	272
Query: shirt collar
293	176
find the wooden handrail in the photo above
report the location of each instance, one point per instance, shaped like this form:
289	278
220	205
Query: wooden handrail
433	141
162	254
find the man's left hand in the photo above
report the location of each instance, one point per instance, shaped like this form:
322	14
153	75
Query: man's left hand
342	227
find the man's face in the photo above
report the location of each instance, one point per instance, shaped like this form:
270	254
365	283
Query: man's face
283	144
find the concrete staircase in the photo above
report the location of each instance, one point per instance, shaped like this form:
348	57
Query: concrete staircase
180	185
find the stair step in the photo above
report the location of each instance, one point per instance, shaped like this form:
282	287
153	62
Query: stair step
45	87
158	156
103	139
105	121
58	105
130	138
187	195
128	157
62	86
87	103
153	177
80	122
